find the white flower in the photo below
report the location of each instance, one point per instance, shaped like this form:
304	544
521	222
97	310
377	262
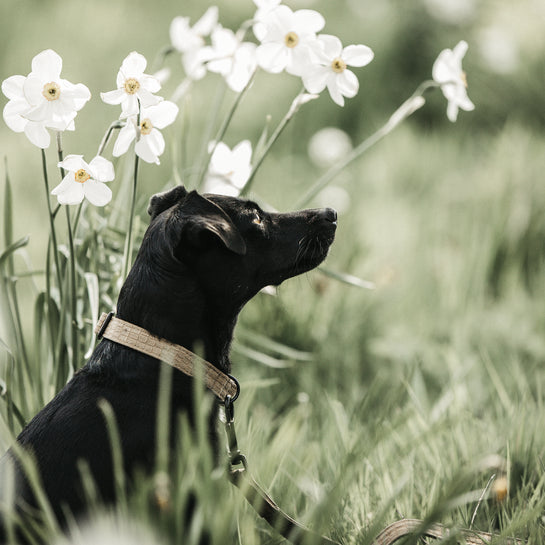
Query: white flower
43	99
229	170
332	72
85	180
150	143
264	7
447	71
134	87
234	60
194	62
186	38
288	41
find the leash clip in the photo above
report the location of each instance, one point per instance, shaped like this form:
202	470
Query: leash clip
236	458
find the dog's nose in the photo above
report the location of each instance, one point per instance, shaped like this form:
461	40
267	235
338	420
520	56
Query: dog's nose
329	214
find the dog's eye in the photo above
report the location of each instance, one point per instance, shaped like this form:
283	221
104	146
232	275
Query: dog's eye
257	219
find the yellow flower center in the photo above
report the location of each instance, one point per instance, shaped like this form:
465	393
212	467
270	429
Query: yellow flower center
81	175
463	77
338	65
146	126
51	91
131	86
291	39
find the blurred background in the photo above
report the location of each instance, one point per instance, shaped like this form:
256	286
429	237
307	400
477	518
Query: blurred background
447	221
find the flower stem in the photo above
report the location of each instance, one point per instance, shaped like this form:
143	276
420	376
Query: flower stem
104	142
222	130
403	112
73	294
127	253
203	160
73	279
53	232
274	137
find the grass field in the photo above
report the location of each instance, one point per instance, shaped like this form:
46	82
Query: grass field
420	398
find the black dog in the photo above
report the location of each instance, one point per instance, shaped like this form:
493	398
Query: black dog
201	260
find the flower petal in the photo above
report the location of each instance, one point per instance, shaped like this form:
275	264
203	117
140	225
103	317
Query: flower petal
272	57
161	115
12	87
13	115
33	89
69	191
101	169
129	106
117	96
150	83
133	65
97	193
149	147
348	83
460	49
308	20
332	46
357	55
126	135
242	153
146	98
73	163
205	25
315	79
47	66
221	161
37	134
78	94
334	91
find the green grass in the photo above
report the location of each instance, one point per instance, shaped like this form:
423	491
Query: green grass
358	407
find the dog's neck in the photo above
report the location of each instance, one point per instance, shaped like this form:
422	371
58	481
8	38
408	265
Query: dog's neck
171	305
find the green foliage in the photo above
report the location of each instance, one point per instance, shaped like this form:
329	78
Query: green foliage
358	406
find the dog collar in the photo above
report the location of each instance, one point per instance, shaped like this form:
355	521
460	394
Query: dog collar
224	386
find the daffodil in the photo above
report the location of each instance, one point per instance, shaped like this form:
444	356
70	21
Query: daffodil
331	70
150	143
134	87
447	72
288	39
185	37
264	7
43	99
85	180
229	169
234	60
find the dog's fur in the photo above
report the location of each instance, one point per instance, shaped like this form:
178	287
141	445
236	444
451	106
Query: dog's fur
201	260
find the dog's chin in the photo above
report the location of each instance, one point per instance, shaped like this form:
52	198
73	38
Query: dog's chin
314	256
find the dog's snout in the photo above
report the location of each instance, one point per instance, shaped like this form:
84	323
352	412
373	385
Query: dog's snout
329	215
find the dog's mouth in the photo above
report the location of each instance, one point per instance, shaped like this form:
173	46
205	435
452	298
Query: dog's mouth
312	248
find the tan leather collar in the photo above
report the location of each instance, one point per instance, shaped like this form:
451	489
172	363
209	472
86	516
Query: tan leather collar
177	356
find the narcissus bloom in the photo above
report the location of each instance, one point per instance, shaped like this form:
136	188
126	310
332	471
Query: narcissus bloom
288	39
234	60
134	87
187	38
332	72
447	71
229	170
43	99
85	181
150	143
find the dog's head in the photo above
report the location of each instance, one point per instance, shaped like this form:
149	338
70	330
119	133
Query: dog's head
234	247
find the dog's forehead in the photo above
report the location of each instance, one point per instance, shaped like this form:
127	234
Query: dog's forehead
232	204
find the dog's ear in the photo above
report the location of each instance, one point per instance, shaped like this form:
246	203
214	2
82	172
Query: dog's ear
163	201
201	216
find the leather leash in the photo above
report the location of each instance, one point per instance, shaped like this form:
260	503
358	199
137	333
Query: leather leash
227	389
